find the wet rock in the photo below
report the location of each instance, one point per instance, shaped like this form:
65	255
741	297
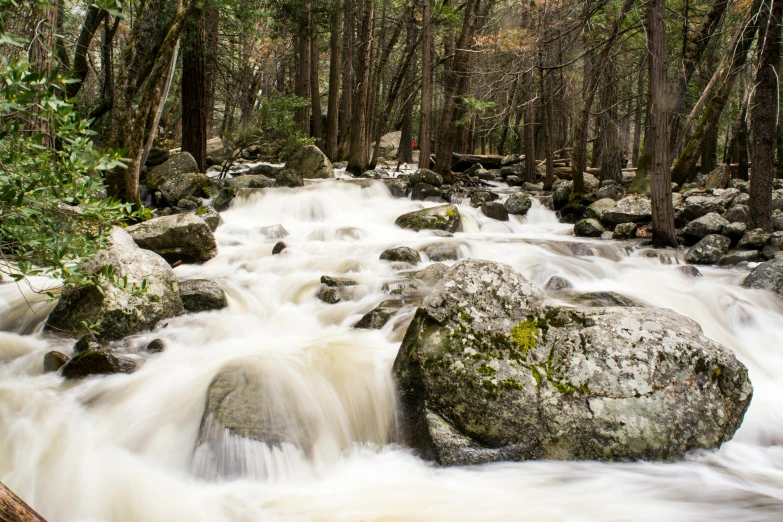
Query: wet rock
426	176
514	181
173	168
380	315
608	299
754	239
444	217
403	253
495	210
309	162
182	237
279	247
486	373
86	343
201	295
557	284
698	206
443	251
737	214
96	363
625	231
53	361
270	171
431	275
289	178
121	312
709	224
423	191
598	209
518	203
480	197
222	196
210	216
274	231
248	182
189	203
767	276
739	258
329	294
708	250
718	178
156	346
630	209
560	195
488	175
689	270
581	250
337	282
588	228
397	188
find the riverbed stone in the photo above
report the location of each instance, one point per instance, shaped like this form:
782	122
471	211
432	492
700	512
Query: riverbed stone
120	311
706	225
278	248
443	250
495	210
718	178
310	162
210	216
708	250
182	163
479	197
182	237
739	258
767	276
444	217
251	181
737	214
96	363
180	186
289	178
376	318
597	209
588	228
53	361
698	206
426	176
201	295
487	373
518	203
630	209
558	284
625	231
754	239
403	254
422	191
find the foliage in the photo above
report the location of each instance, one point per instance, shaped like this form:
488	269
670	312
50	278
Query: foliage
52	214
277	121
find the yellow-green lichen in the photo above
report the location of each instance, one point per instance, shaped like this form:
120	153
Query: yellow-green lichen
525	335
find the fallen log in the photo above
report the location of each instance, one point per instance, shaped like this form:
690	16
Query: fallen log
14	509
462	162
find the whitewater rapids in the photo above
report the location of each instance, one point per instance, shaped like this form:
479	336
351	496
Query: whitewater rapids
123	448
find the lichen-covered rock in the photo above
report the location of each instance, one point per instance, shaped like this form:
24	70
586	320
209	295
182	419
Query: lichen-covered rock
495	210
181	185
630	209
377	317
182	237
754	239
718	178
625	231
767	276
558	284
708	250
201	295
610	190
426	176
706	225
177	165
599	208
444	217
310	163
210	216
485	374
121	311
518	203
698	206
588	228
96	363
403	254
737	214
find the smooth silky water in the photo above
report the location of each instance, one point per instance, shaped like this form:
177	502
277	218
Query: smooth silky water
123	448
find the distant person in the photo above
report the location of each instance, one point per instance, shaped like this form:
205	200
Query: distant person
414	144
624	161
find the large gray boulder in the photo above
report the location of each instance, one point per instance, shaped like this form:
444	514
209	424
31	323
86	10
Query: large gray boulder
495	210
426	176
588	228
182	163
180	186
444	217
251	181
486	373
403	254
718	178
630	209
120	311
597	209
310	162
706	225
709	250
518	203
767	276
181	237
201	295
697	206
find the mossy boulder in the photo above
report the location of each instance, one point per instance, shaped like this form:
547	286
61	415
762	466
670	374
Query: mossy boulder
174	167
310	162
487	373
120	311
444	217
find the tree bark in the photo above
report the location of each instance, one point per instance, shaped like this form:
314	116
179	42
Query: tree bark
333	105
41	53
80	68
425	124
348	78
611	168
14	509
660	102
357	158
194	107
637	126
212	38
315	95
764	115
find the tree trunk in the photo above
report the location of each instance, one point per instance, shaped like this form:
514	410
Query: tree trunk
41	53
80	68
159	110
425	124
764	115
546	110
303	70
14	509
333	106
611	168
637	126
194	108
348	78
357	159
315	95
660	162
212	36
709	152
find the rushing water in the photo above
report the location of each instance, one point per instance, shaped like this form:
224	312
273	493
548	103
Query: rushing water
123	448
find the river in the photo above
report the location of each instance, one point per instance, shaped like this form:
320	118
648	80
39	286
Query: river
122	448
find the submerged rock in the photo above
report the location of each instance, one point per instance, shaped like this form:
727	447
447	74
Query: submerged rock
201	295
121	311
444	217
557	284
486	373
53	361
279	247
443	251
96	363
403	254
182	237
289	178
380	315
